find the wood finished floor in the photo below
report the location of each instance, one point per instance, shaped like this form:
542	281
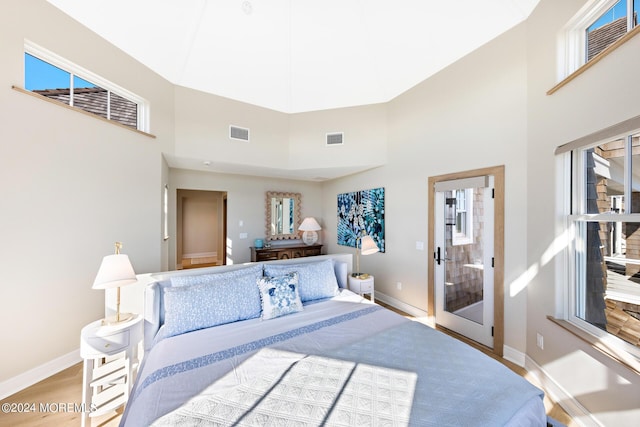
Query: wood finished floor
65	387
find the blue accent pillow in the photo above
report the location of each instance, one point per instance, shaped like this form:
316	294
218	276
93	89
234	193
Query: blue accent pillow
206	300
316	280
279	295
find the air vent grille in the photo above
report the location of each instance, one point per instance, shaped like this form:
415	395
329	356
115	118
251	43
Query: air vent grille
238	133
335	138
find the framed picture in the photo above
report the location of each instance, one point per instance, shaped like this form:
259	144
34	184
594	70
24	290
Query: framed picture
360	213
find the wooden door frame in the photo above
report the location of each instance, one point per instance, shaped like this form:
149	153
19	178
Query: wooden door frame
498	249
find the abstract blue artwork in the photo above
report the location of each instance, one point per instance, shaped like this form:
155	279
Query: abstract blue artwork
360	213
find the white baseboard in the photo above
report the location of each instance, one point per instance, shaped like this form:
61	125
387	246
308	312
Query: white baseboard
409	309
513	355
556	393
37	374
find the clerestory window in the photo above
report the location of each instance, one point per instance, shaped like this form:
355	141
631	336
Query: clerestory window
598	25
58	79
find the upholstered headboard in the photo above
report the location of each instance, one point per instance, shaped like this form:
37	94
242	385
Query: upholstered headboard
154	291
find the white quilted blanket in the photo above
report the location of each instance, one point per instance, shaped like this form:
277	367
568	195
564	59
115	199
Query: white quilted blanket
282	388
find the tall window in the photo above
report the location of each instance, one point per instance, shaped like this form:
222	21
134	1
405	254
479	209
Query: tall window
596	27
49	75
605	219
463	231
165	212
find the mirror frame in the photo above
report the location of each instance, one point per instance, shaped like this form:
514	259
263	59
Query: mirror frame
296	215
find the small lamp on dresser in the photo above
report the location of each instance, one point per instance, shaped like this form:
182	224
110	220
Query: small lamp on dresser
310	227
115	271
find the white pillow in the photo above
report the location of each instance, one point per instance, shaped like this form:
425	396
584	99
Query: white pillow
279	295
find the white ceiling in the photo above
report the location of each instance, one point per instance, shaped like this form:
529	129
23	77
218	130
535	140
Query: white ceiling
298	55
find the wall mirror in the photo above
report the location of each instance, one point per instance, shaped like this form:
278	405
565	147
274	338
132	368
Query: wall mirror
283	215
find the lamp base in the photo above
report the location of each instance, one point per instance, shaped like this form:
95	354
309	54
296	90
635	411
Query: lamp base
113	320
309	237
360	275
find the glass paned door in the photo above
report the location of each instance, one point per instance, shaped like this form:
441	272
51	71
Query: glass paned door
464	257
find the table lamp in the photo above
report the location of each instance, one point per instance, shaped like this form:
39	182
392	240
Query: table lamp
367	247
310	227
115	271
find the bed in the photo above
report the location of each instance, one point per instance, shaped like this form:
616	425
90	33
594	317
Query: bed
287	344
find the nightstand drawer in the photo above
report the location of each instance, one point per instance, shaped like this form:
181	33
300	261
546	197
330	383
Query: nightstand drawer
108	344
362	286
365	286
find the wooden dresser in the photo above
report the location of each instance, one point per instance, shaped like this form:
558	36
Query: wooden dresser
285	252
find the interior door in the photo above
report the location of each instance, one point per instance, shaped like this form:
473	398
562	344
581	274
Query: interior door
464	221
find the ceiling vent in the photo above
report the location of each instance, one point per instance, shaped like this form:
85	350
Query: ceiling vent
238	133
335	138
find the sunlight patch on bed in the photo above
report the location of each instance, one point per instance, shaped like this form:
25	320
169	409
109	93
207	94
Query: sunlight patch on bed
275	385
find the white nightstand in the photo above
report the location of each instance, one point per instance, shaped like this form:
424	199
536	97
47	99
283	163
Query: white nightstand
362	286
110	354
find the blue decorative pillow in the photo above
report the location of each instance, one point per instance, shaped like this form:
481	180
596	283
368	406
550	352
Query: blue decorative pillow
206	300
279	295
316	279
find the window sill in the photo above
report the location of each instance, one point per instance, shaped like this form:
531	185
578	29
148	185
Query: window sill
620	356
622	40
44	98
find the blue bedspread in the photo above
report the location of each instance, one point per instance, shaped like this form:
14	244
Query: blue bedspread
447	382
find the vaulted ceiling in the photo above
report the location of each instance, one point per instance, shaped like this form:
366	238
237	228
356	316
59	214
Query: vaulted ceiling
298	55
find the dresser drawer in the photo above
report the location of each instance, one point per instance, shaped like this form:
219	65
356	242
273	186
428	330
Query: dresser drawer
284	252
106	344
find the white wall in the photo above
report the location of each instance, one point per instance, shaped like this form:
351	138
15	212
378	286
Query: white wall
365	138
202	130
246	201
71	186
602	96
471	115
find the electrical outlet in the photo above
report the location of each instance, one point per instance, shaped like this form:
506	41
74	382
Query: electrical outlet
399	285
540	341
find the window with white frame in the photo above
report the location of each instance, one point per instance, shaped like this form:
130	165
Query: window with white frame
604	291
596	26
463	231
49	75
165	213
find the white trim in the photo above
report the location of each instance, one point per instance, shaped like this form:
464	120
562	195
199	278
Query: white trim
572	43
200	255
76	70
39	373
578	413
462	183
513	355
409	309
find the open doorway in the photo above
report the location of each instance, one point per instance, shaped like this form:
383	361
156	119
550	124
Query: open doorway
201	228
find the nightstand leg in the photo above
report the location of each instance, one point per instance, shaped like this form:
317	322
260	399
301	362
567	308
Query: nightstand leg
373	298
87	372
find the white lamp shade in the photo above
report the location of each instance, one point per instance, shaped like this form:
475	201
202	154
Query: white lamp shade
309	224
115	271
368	246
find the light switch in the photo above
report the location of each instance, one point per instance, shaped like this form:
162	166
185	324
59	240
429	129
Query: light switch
243	235
420	246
